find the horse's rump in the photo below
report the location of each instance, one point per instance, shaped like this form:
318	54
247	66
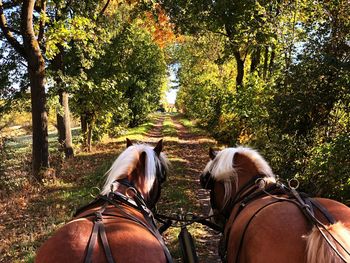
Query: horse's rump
128	240
318	250
267	230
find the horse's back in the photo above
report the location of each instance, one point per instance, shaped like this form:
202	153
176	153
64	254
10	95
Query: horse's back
129	242
339	211
276	232
68	243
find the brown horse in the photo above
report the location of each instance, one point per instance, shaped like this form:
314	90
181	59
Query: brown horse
268	221
118	226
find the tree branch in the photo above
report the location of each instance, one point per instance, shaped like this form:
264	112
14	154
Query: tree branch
9	5
27	30
42	21
14	30
8	34
105	7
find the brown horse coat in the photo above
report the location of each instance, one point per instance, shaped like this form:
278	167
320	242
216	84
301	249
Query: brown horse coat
129	241
277	231
145	169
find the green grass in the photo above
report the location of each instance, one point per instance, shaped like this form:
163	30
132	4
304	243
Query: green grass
190	125
169	128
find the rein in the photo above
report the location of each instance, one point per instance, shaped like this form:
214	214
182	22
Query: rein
186	222
117	200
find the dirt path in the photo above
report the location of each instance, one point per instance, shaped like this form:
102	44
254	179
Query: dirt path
156	132
29	216
188	153
194	148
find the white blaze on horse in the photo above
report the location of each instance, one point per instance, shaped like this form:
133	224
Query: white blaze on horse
267	221
118	226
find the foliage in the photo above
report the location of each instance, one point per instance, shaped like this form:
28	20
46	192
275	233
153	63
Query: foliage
143	71
328	165
294	104
123	85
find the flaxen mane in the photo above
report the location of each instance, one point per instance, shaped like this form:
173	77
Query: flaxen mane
126	162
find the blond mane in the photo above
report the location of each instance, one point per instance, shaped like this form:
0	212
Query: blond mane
222	167
126	162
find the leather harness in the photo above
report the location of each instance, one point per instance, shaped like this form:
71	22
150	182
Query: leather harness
118	200
279	193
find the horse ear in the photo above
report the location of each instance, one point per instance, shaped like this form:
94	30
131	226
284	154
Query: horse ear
212	153
128	143
159	147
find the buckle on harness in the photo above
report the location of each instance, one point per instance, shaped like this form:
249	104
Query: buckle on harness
98	216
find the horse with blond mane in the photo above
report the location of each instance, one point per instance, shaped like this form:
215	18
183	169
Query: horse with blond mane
118	226
266	220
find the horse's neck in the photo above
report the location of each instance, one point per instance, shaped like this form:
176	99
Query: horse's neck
110	210
246	170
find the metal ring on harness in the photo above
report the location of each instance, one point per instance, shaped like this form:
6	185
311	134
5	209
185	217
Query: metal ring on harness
261	182
92	190
133	190
294	182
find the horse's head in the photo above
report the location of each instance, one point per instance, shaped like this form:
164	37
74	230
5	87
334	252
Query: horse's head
143	166
227	172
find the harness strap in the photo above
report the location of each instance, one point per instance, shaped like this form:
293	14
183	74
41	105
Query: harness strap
323	210
147	214
302	201
247	225
99	229
92	242
105	244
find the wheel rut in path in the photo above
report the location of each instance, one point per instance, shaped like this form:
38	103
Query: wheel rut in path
155	133
194	149
188	153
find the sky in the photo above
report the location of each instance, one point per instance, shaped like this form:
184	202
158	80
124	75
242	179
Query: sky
172	84
171	96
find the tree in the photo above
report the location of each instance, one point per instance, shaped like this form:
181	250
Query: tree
69	22
124	84
247	26
31	52
294	104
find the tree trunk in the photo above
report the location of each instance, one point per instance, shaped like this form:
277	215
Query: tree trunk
36	71
240	69
87	123
84	130
63	118
266	58
89	137
255	60
63	125
272	60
